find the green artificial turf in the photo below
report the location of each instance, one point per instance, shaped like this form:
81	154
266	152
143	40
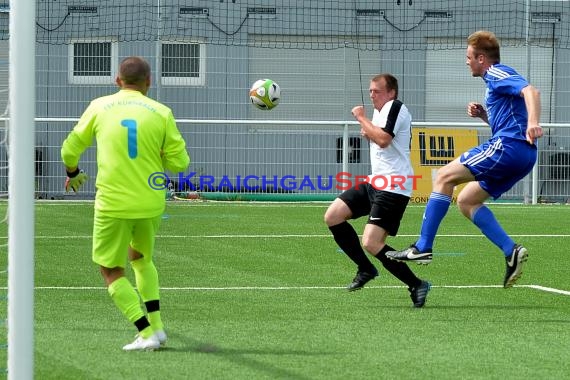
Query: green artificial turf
256	291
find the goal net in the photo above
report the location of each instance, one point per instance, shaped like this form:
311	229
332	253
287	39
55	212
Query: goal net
206	54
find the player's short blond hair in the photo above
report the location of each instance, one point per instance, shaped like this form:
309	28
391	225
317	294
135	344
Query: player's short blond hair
486	43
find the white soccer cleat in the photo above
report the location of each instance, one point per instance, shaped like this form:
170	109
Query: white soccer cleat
161	335
142	344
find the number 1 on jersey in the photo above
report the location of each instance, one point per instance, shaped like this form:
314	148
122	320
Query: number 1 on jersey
131	126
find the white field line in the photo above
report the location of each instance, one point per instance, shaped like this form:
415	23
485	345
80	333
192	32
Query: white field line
304	236
550	290
265	288
318	204
301	236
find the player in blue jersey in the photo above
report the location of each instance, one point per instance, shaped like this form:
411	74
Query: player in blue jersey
512	109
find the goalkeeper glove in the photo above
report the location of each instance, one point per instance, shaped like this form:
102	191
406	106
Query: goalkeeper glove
75	180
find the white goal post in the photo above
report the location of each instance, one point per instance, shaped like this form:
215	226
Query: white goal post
21	191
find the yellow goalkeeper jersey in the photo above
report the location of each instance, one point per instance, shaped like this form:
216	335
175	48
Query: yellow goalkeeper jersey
136	137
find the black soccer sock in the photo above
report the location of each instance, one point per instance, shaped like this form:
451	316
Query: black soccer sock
398	269
347	239
142	323
152	306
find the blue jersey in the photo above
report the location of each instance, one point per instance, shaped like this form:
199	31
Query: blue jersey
506	109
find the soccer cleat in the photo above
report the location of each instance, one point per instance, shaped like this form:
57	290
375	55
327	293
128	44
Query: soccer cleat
161	335
142	344
411	254
419	293
514	265
361	279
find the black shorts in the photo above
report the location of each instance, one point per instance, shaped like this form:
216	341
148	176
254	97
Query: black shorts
384	209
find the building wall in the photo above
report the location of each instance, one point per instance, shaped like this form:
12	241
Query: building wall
320	53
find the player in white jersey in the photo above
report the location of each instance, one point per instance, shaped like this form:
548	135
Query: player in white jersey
391	167
386	194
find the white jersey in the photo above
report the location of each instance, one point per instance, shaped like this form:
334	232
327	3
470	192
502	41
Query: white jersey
391	166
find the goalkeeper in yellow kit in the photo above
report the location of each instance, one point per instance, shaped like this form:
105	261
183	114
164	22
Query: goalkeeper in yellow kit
136	136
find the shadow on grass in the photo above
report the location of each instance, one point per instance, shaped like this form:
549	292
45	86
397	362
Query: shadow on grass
492	307
240	356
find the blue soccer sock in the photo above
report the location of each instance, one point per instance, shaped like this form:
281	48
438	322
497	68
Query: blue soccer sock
436	208
485	220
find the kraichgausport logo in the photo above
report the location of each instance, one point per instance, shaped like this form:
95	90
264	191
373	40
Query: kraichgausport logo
341	181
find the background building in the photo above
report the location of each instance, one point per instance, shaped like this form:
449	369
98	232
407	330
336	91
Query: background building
206	54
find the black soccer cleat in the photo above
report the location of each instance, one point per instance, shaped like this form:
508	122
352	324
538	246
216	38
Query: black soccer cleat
514	265
361	279
419	293
411	254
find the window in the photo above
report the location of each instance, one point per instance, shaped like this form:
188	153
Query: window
353	150
92	62
4	20
183	64
4	74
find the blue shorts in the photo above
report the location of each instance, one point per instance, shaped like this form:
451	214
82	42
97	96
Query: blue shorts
500	163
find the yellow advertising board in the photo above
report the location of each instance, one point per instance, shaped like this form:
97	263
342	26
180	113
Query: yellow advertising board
433	148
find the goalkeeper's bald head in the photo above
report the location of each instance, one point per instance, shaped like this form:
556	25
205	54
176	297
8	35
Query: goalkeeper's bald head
134	72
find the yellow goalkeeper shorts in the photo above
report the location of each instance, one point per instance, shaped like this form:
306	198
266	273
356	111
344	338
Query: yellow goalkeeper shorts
113	236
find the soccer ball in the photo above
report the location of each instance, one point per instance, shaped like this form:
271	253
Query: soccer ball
265	94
